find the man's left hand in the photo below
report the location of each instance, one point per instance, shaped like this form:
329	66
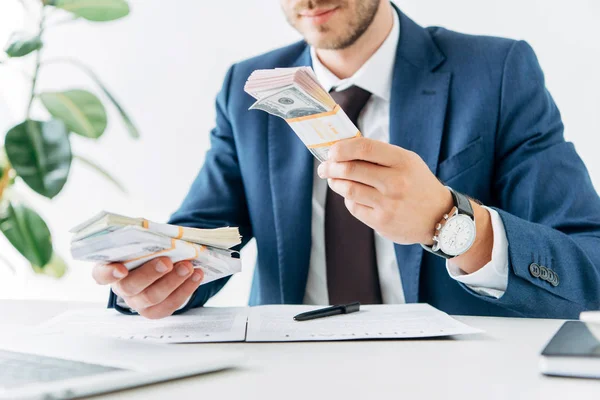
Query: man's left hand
388	188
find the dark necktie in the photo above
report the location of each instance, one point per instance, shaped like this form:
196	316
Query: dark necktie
349	244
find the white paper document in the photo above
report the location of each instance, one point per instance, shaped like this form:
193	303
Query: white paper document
200	325
272	323
403	321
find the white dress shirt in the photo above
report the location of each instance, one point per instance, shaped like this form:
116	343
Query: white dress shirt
375	76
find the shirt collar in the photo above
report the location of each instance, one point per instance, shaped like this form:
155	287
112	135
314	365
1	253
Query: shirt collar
376	73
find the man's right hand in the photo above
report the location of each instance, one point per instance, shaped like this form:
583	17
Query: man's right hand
156	289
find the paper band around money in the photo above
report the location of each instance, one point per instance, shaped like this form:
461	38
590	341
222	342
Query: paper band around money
196	247
153	254
315	146
195	250
180	232
322	130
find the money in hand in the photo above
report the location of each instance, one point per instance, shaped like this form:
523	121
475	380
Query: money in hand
105	222
108	238
295	95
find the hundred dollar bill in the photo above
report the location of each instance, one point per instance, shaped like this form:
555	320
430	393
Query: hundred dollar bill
105	222
134	246
295	95
291	102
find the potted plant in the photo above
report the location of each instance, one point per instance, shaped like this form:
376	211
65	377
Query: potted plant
37	151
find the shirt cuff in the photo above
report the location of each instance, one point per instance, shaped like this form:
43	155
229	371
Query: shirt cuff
492	279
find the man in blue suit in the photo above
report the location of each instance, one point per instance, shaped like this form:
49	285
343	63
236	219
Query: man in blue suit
391	217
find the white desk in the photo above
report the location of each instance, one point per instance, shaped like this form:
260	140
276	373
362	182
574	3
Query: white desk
500	364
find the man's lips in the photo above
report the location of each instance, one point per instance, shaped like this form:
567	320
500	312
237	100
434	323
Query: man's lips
318	16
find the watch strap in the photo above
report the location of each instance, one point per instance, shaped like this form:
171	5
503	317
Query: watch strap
462	202
437	253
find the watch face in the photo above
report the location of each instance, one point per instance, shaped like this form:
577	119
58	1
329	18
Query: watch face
457	235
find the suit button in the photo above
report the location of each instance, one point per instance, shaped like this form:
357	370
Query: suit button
534	270
554	279
544	274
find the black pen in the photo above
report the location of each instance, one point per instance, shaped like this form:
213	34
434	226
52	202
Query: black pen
329	311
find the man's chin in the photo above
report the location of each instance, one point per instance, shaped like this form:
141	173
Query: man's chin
323	41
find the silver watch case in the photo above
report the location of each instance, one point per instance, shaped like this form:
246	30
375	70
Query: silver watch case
438	243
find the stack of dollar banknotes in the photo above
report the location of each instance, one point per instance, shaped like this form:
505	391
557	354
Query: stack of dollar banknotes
108	237
296	95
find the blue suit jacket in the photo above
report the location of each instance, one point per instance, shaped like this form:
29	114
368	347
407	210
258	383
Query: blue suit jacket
477	111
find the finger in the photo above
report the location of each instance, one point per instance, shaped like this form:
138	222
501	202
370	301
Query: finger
175	299
161	289
105	274
359	171
365	149
356	192
361	212
142	277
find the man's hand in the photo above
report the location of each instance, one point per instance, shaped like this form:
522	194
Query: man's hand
388	188
393	191
156	289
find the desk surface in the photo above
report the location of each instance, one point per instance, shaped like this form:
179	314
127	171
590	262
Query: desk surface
499	364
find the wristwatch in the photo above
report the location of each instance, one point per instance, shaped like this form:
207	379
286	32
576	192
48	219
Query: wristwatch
455	233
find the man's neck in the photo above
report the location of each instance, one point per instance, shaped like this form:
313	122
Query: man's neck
345	62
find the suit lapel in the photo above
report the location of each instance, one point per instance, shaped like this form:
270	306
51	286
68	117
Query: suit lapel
417	113
291	178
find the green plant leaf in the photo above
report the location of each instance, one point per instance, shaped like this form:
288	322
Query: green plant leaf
94	10
101	171
27	232
3	162
131	128
40	153
80	110
56	267
20	44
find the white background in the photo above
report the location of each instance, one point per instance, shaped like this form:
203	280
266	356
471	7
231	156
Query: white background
165	63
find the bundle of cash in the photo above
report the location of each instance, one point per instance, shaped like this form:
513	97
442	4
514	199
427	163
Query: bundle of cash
108	238
295	95
105	222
